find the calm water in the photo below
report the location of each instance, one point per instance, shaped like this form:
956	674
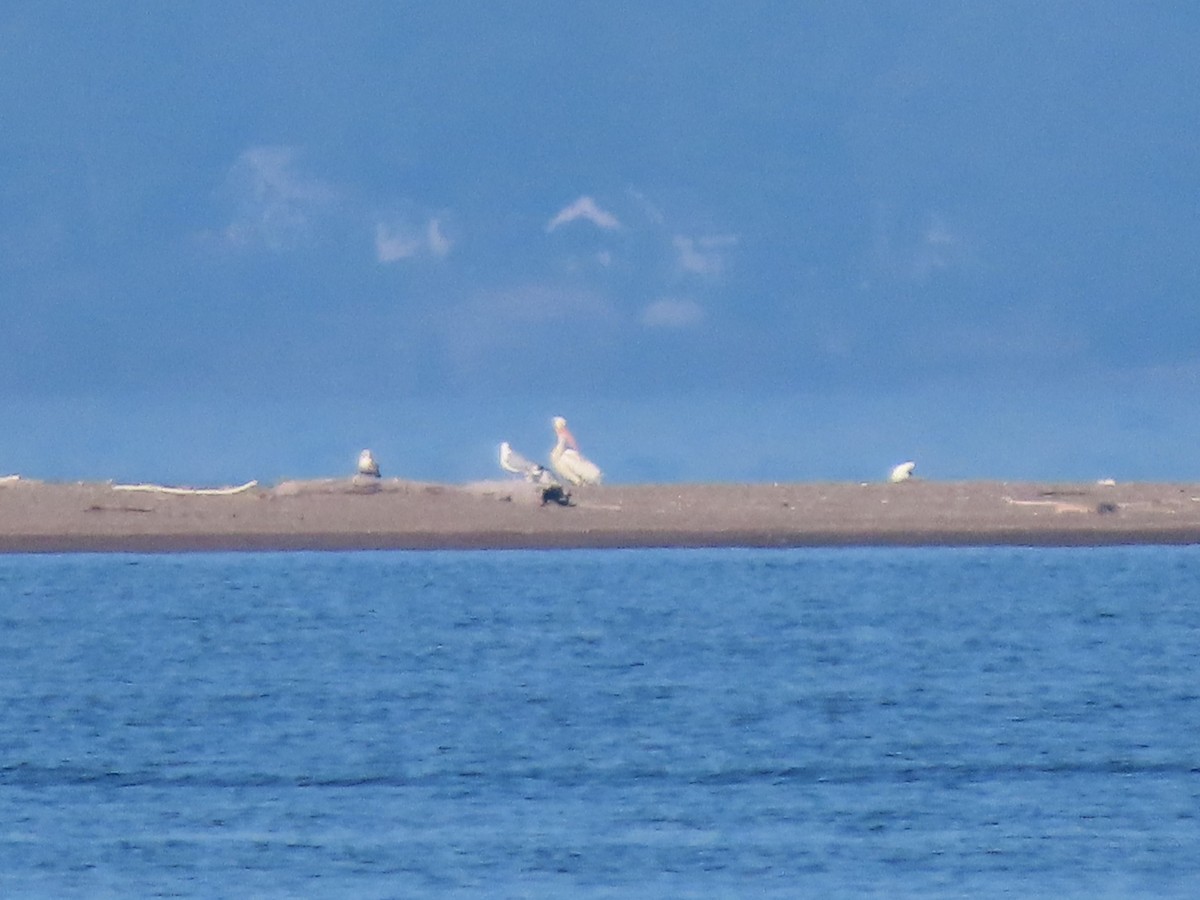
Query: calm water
594	724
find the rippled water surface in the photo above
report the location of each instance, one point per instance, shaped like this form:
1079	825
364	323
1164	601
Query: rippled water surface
918	723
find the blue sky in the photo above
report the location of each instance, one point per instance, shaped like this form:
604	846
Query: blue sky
767	241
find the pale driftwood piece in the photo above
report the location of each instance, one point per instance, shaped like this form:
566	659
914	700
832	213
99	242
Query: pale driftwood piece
163	489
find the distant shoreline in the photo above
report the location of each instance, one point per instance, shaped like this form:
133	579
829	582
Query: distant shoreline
350	514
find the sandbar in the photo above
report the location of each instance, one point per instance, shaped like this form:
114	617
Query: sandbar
395	514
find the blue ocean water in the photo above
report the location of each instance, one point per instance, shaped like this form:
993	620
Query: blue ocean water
718	723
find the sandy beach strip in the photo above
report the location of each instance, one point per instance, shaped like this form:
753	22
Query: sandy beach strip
345	514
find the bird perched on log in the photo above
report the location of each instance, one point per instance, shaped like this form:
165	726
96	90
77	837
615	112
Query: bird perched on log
367	465
566	459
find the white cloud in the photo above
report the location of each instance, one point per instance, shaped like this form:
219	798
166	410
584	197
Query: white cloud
585	208
391	246
672	313
439	244
399	242
703	256
276	205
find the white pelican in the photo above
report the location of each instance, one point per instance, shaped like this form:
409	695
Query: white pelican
566	459
367	464
902	472
512	461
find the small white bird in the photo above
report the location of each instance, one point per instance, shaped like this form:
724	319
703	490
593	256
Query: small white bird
512	461
367	465
902	472
566	459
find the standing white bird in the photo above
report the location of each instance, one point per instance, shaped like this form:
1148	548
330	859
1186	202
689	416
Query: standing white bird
512	461
566	459
902	472
367	465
